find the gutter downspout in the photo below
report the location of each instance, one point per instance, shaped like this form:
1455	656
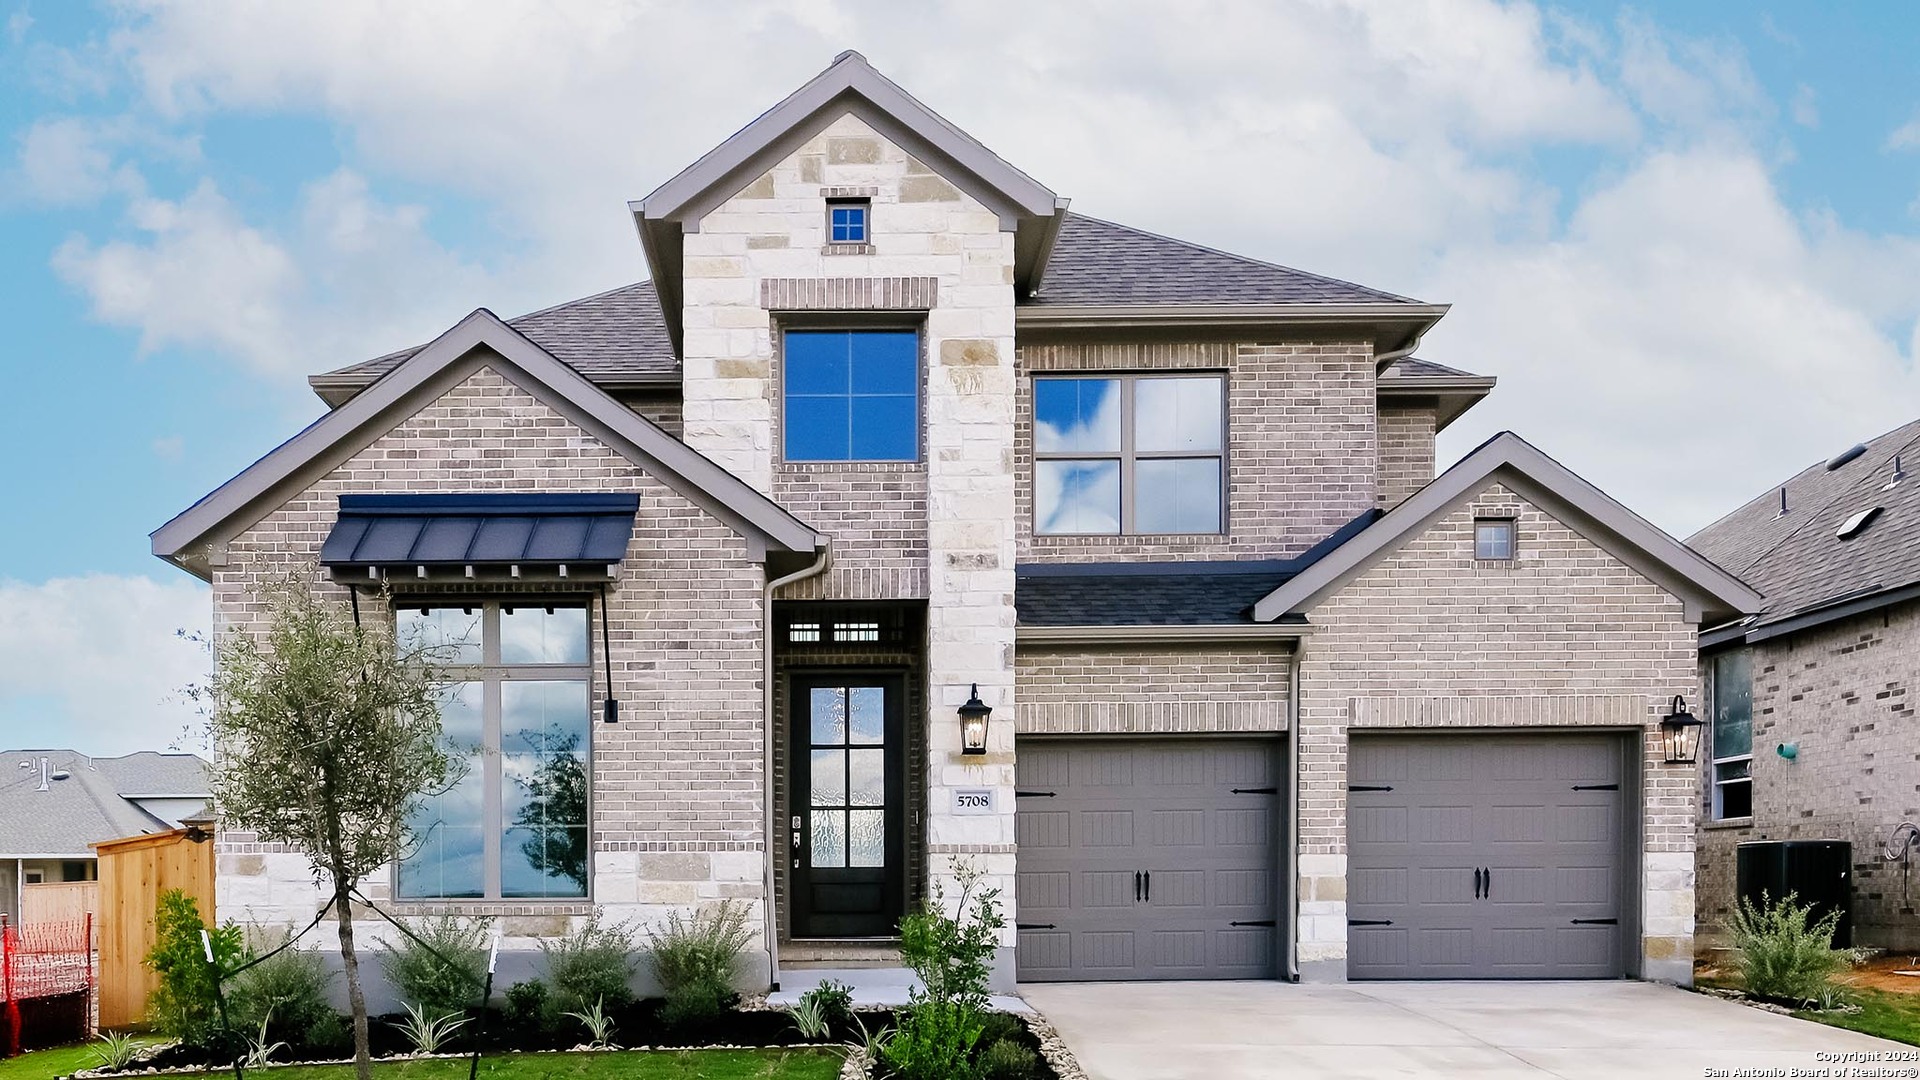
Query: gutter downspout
821	563
1293	812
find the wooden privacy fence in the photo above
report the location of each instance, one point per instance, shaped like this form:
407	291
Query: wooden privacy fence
59	901
133	874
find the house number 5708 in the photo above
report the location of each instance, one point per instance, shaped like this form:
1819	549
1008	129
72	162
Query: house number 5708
973	801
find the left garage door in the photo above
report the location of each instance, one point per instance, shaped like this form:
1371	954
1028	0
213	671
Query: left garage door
1147	859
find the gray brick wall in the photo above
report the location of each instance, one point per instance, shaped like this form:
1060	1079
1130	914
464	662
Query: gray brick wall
677	811
1406	451
1151	689
1842	695
1300	433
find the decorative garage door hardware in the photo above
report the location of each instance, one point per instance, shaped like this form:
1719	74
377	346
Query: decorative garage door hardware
1482	883
1369	787
1033	926
1369	922
1256	791
1596	922
1035	794
1254	922
1596	787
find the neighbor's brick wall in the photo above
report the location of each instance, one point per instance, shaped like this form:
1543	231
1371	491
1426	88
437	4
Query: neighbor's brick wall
676	784
1151	689
1300	434
1505	644
1406	451
1841	693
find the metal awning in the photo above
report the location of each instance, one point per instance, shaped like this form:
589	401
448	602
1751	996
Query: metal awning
564	534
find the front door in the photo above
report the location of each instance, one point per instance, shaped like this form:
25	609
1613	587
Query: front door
848	781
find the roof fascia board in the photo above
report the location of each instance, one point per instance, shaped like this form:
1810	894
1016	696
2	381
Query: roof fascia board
1452	395
1509	459
850	76
455	355
1808	620
1172	635
1227	314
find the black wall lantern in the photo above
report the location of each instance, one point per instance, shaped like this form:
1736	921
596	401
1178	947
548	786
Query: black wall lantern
1680	734
973	723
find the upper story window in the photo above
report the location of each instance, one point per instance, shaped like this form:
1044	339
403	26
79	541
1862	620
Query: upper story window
1493	539
1134	454
517	722
1733	734
847	221
851	395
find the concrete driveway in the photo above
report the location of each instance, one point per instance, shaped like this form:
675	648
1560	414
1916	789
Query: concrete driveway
1260	1030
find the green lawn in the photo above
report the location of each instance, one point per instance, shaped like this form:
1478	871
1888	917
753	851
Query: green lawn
790	1064
1889	1016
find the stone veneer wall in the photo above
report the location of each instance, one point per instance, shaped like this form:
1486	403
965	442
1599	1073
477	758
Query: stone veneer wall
1841	693
1151	689
676	784
951	513
1563	635
1301	442
1406	451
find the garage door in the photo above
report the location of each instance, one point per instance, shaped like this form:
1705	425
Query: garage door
1487	857
1147	859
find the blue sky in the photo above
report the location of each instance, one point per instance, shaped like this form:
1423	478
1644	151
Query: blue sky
1685	236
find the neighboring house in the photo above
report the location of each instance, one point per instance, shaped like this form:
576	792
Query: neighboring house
1813	733
54	803
890	428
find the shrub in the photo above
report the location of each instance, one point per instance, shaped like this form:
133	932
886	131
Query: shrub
834	1000
527	1005
184	1005
446	984
810	1019
953	956
695	960
1008	1060
286	995
591	965
1784	954
599	1027
116	1051
429	1034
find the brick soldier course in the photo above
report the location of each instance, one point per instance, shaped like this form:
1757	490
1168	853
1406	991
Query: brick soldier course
1341	592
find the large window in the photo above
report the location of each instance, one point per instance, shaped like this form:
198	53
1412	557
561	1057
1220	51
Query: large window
1139	454
852	395
1732	735
517	722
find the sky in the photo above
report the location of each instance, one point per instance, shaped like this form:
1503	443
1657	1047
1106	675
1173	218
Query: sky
1685	237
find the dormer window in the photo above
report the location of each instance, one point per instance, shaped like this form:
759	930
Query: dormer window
847	221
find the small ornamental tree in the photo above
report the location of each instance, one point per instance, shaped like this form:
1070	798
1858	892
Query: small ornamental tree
324	732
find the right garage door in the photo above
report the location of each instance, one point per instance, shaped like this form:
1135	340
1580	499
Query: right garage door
1487	857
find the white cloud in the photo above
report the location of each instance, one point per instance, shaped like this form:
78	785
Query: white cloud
68	160
95	662
1806	108
18	23
353	277
169	447
1904	137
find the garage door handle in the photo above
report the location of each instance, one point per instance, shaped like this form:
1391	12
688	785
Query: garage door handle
1369	922
1489	879
1254	922
1256	791
1146	880
1033	794
1596	922
1477	883
1033	926
1369	787
1136	886
1596	787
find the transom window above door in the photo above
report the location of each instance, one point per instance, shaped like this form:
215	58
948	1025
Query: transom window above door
1134	454
851	395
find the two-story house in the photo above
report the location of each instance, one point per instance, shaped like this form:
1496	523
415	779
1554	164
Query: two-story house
891	438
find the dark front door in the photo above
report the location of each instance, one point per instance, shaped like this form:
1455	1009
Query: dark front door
848	780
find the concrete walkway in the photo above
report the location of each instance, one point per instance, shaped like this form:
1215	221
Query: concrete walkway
1262	1030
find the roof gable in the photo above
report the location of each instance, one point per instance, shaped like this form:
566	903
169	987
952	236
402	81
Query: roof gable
479	340
1708	592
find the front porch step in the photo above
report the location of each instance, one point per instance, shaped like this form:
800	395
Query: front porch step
874	987
848	954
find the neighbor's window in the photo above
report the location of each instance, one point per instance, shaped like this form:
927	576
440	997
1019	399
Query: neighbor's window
1493	538
517	722
1733	735
852	395
1137	454
847	221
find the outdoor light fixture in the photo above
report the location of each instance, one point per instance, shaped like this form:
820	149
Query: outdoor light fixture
973	724
1680	734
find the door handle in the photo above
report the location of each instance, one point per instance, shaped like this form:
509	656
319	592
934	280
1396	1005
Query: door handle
1489	872
1476	883
1147	880
1136	886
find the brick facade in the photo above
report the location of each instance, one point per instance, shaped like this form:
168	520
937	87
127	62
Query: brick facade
676	791
1842	694
1406	451
1152	689
1563	635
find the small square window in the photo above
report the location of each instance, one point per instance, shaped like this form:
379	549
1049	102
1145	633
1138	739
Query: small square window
1493	538
847	222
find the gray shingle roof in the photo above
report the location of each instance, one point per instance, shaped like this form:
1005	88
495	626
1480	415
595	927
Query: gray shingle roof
91	804
1192	593
1100	262
621	336
1797	559
1414	367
